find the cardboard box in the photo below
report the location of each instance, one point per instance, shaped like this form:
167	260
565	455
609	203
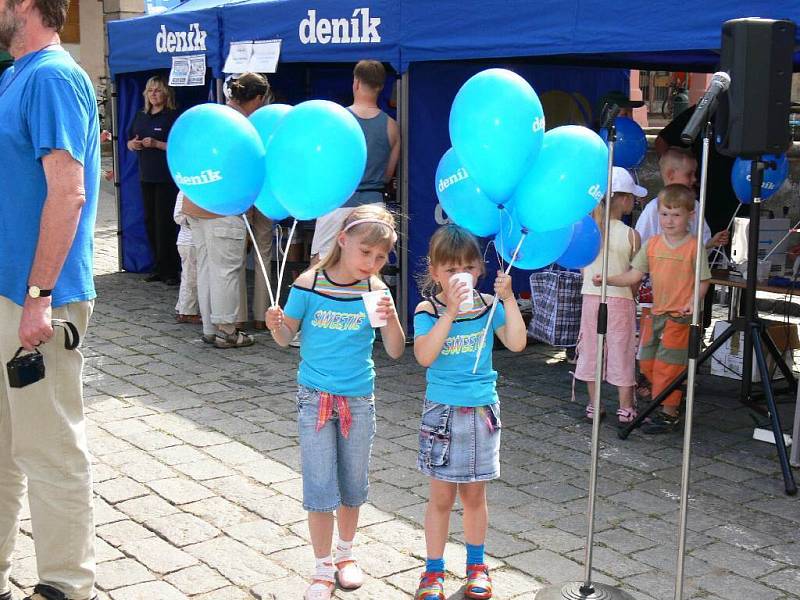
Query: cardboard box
771	231
727	361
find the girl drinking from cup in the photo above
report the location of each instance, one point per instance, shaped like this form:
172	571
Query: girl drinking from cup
459	438
335	401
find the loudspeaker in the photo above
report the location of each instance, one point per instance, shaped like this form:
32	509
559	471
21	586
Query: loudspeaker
753	117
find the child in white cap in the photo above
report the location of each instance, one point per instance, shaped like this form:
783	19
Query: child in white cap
620	351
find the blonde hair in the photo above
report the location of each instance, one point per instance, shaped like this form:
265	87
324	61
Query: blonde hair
379	230
450	244
169	94
599	210
676	159
676	195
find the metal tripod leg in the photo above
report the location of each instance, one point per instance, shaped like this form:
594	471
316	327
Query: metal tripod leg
773	349
656	402
766	384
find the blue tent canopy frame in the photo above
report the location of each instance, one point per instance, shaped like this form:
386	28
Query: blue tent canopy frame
434	45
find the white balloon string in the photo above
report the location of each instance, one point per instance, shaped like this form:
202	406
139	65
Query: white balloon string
258	256
283	260
494	304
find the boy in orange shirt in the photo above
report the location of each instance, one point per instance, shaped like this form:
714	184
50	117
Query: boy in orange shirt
669	258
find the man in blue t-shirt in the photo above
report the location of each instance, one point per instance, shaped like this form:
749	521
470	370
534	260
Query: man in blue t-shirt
49	144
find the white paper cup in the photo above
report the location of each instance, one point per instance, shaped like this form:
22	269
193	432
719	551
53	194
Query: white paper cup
466	304
371	300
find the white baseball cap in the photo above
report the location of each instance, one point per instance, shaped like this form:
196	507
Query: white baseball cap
621	181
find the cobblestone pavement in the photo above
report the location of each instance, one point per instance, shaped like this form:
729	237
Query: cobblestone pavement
198	484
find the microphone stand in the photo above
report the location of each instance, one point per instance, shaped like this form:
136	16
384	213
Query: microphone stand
587	589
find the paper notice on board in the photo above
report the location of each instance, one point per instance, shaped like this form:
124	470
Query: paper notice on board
265	56
238	60
179	74
197	69
188	70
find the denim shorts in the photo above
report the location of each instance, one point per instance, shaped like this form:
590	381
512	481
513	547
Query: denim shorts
457	444
335	468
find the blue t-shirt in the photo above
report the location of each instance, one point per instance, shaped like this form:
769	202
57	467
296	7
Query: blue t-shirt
46	103
450	378
336	340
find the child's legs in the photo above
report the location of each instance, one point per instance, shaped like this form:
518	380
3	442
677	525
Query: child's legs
187	294
476	511
437	516
352	459
670	362
320	528
587	339
318	459
648	344
620	355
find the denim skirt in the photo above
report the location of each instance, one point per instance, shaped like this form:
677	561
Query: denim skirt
459	444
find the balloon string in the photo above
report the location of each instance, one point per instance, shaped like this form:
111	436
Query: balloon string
258	256
494	304
283	260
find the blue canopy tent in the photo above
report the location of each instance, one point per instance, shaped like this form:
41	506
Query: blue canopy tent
138	49
571	51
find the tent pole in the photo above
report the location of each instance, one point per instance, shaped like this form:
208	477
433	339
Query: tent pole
115	167
402	283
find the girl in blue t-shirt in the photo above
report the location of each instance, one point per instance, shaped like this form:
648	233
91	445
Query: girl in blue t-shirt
459	437
335	401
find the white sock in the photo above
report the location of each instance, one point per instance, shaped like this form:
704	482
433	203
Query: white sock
325	571
344	550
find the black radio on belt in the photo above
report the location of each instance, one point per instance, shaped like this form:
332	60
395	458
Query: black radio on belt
26	369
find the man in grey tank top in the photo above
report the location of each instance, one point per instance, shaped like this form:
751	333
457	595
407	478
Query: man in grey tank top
383	152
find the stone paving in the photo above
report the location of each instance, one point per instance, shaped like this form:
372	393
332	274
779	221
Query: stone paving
198	485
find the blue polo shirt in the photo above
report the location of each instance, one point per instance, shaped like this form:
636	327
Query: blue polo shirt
46	103
450	378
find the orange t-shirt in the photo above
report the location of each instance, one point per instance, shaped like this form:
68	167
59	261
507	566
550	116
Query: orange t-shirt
671	270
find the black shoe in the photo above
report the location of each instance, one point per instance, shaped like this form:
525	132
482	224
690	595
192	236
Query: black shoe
44	592
6	596
172	281
152	277
662	423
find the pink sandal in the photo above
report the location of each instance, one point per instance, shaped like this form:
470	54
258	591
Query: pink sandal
349	574
626	415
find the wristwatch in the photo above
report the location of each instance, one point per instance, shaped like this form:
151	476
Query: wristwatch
34	291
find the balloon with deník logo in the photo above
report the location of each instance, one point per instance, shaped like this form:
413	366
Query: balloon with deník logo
566	182
462	199
316	158
265	120
539	249
216	158
772	182
631	145
584	246
496	128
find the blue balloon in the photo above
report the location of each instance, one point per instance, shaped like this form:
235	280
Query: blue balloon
496	127
316	158
631	145
773	178
462	198
567	180
265	120
539	249
584	246
216	158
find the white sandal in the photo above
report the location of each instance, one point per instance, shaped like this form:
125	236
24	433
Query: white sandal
319	590
349	574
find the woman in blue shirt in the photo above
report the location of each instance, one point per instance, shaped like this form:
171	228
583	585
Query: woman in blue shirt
459	438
